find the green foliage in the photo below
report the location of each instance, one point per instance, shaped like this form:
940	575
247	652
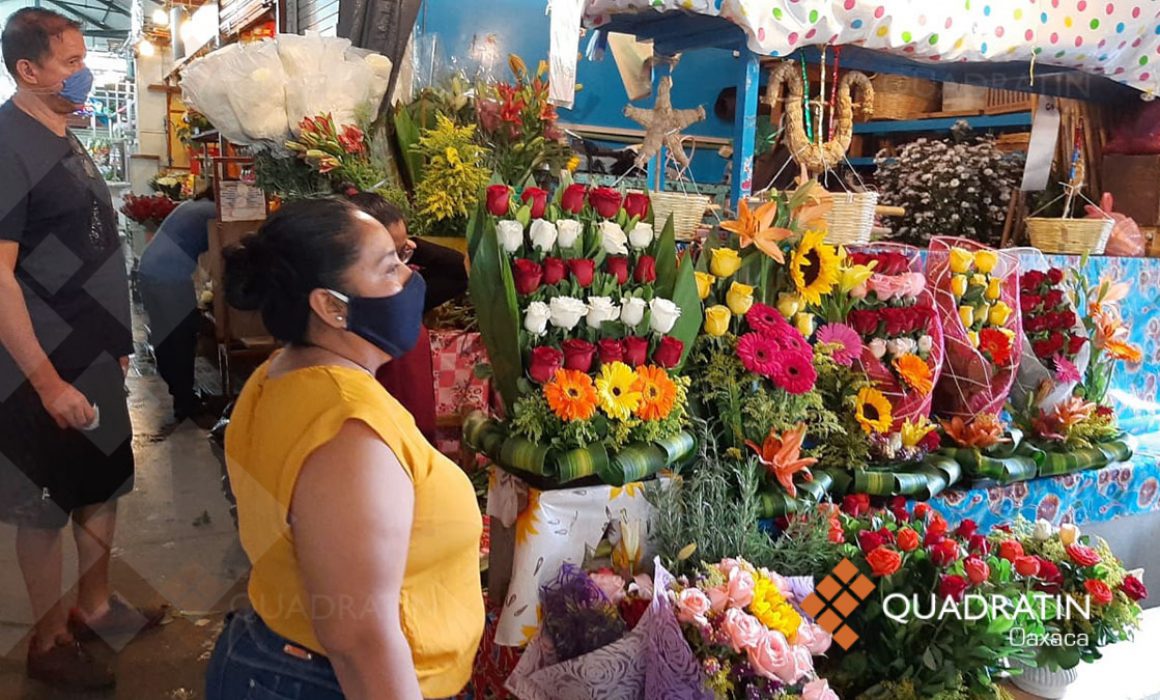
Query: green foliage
289	177
804	547
846	445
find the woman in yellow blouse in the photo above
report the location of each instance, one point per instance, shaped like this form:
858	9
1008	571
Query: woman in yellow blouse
363	538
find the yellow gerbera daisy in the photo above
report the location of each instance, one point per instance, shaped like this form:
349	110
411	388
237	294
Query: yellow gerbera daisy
618	389
873	411
658	393
815	267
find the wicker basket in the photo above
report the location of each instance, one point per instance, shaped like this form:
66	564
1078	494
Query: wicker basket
902	97
1072	236
688	211
851	217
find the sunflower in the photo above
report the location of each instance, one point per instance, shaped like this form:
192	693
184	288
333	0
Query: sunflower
618	389
873	411
815	267
658	393
915	372
571	395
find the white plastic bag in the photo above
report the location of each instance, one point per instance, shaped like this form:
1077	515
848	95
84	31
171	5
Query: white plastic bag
203	89
257	90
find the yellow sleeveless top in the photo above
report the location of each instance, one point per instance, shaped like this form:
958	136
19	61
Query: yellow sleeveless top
276	424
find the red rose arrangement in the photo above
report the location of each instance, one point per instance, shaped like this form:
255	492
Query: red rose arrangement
147	210
1051	324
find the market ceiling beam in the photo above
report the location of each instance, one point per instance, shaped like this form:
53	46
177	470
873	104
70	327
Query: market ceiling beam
113	6
68	7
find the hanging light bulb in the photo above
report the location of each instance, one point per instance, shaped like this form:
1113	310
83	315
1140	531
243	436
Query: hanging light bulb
160	17
146	48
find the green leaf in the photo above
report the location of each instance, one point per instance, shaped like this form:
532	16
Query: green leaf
494	295
407	133
686	298
524	215
928	660
666	260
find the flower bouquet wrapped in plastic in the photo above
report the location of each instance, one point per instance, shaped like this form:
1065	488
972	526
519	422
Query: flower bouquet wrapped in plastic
976	291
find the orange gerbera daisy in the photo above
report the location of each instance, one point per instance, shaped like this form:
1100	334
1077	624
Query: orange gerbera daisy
658	393
571	395
915	372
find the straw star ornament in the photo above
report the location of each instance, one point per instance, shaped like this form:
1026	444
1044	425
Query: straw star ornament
663	125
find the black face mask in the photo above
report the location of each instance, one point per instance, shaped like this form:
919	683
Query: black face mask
391	323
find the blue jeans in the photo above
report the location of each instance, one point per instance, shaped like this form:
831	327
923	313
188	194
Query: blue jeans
250	663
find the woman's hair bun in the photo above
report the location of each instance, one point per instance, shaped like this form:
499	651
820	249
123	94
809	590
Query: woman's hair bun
247	274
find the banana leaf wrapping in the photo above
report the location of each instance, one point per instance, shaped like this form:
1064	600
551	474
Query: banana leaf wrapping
1097	456
970	383
1032	374
525	458
775	502
922	480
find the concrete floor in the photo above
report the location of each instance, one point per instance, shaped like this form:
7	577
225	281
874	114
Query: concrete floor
175	544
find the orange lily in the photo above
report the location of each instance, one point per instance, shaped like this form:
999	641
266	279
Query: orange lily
1112	335
781	455
985	430
756	227
1056	424
812	214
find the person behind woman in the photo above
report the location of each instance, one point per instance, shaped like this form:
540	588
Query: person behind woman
410	378
363	539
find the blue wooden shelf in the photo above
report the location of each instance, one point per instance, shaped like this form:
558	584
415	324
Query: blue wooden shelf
980	122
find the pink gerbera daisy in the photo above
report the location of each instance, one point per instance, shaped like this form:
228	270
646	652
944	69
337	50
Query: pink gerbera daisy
758	353
1065	370
763	318
791	340
845	340
795	373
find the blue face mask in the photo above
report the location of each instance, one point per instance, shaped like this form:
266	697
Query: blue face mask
389	323
77	86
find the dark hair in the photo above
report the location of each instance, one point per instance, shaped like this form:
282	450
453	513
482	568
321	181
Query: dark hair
28	35
305	245
374	204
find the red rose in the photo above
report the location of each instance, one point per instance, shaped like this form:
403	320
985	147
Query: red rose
856	504
865	321
860	258
907	539
1032	281
1010	550
898	321
605	200
1098	590
1029	303
1053	299
884	561
945	553
528	275
499	199
932	538
1052	579
921	510
632	609
572	201
1134	588
583	270
1055	275
668	352
1084	556
617	266
1027	566
539	199
635	351
1037	324
980	545
544	364
1075	344
578	354
646	270
977	570
611	350
636	204
937	525
1066	319
554	270
966	528
931	441
921	318
869	540
952	587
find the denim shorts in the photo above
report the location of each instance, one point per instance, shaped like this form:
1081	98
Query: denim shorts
252	662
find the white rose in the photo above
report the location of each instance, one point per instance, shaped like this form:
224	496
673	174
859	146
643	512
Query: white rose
511	235
909	345
1043	530
568	230
877	348
601	309
896	347
925	344
664	314
632	311
543	235
613	238
536	318
641	235
566	312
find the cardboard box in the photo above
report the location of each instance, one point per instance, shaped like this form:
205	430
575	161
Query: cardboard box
1133	184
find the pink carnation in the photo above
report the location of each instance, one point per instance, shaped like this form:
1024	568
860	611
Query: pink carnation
1065	370
846	338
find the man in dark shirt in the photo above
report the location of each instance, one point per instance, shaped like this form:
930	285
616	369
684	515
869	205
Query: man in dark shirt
65	337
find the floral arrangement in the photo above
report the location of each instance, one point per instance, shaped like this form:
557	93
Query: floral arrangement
1063	562
977	294
1056	348
451	178
959	186
518	124
1106	329
341	153
599	319
169	185
147	210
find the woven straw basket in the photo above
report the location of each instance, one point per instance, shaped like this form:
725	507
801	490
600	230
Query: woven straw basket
903	97
687	210
851	217
1073	236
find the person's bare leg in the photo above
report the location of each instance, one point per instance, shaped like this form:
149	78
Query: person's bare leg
93	529
39	553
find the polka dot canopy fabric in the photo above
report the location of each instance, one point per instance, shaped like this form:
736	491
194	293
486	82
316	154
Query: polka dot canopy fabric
1120	39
